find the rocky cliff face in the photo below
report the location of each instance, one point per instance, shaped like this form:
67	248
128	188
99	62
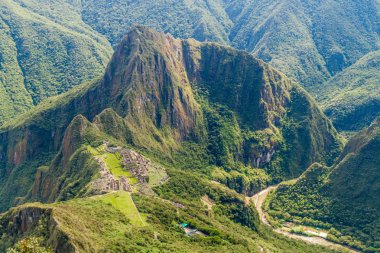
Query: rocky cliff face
71	169
159	92
18	223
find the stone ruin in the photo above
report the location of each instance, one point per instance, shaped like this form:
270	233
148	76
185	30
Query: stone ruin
108	182
136	164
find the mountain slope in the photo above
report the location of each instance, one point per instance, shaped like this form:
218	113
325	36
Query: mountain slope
308	41
107	222
343	198
45	51
351	98
202	20
321	38
193	105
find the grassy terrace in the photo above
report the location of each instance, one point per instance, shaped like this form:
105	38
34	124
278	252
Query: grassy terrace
123	202
114	163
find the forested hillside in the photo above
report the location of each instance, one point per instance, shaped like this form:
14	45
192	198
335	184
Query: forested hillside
170	91
307	40
343	198
45	50
221	130
310	42
352	98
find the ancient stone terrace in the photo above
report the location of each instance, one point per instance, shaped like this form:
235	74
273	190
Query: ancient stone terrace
108	182
136	164
133	162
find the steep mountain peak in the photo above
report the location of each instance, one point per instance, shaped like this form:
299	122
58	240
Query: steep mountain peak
147	80
177	99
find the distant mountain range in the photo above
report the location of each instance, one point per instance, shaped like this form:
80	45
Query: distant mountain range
117	137
309	41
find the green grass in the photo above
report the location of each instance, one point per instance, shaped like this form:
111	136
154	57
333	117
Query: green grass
227	118
123	202
94	225
115	165
93	151
219	129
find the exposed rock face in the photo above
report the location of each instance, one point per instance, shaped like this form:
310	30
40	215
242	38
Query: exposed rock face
159	92
73	165
265	157
257	92
20	221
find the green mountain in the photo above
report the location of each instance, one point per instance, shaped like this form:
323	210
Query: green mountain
171	120
343	198
309	41
46	49
199	19
352	98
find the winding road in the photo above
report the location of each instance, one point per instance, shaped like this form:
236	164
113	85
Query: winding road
318	239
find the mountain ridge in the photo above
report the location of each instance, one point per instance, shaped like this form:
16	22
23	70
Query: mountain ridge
159	109
253	26
351	99
299	40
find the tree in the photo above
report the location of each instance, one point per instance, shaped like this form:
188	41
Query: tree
30	245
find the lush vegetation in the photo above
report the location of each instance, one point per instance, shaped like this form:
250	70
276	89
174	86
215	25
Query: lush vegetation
334	34
352	98
342	199
199	126
93	225
123	202
29	245
46	49
197	113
